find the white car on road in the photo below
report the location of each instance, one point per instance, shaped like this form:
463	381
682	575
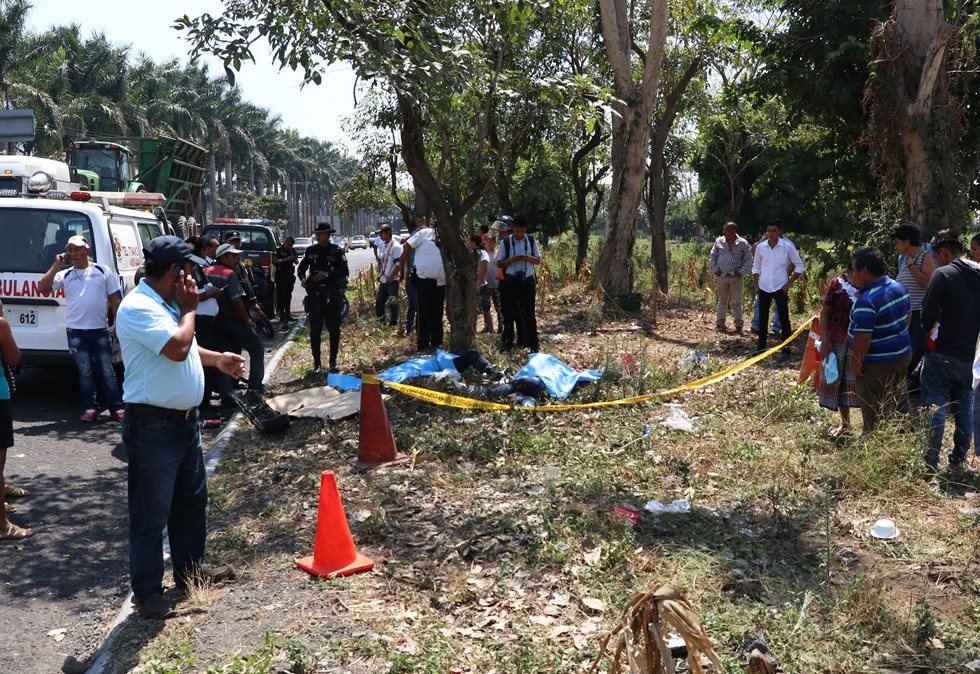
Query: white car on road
358	241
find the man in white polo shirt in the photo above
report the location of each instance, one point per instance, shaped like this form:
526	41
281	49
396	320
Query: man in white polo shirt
92	294
770	271
162	390
430	283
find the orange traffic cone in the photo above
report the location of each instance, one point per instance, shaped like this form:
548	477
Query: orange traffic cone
376	444
334	553
810	367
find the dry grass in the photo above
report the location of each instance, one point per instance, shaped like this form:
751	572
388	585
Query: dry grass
499	548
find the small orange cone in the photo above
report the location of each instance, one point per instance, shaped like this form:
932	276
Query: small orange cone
334	553
376	444
810	367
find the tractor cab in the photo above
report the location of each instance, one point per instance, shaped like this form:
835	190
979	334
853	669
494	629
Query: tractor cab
106	167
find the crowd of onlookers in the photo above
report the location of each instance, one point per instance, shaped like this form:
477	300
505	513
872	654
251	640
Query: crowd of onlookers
887	345
506	281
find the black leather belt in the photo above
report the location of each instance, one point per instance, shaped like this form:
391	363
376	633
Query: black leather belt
161	412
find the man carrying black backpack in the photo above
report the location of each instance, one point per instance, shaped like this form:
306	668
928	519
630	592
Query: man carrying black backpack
518	255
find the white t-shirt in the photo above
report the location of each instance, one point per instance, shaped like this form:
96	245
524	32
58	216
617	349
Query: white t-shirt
428	258
484	257
391	254
87	293
976	366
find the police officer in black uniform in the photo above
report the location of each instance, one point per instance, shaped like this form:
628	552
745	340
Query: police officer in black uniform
328	272
285	258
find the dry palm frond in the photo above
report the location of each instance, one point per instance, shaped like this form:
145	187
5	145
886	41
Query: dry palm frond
759	658
641	635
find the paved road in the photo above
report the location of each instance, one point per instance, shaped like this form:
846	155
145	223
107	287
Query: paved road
73	573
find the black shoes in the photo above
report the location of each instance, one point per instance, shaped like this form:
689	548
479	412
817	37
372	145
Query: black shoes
154	606
207	575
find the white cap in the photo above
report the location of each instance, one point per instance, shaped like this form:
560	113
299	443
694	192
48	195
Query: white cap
224	249
884	529
77	240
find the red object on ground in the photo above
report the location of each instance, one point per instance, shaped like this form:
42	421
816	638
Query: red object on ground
811	357
334	553
376	444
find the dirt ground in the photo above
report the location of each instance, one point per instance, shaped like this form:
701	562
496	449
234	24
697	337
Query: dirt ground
498	547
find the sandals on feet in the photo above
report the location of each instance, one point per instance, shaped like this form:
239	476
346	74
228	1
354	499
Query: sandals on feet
15	533
11	491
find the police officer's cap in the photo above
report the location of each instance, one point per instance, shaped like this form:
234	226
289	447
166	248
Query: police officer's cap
323	228
232	235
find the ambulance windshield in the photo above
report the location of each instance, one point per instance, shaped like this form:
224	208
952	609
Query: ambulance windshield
32	237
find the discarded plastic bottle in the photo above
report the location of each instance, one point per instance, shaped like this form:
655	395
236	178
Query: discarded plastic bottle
526	401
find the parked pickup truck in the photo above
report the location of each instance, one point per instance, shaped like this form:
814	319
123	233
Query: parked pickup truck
259	242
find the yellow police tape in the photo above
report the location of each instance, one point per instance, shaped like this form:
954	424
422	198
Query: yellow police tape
450	400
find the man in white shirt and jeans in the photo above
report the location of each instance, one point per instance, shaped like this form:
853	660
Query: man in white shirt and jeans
772	279
92	292
389	259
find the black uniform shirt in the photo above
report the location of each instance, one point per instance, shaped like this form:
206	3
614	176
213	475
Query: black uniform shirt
330	260
285	266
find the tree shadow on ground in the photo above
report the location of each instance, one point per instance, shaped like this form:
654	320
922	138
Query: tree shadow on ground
80	537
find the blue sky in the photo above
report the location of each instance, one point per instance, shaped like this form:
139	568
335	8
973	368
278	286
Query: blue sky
146	26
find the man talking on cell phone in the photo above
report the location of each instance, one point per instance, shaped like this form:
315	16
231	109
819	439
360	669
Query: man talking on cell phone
92	295
163	387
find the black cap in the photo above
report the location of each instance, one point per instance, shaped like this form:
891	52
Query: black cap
232	235
168	249
519	220
323	228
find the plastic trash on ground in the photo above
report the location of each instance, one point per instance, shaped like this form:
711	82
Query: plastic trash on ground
677	419
678	507
691	360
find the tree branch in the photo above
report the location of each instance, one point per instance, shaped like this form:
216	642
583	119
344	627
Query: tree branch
615	51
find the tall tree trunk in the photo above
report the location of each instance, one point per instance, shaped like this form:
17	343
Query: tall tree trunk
460	263
582	185
656	204
230	184
660	171
631	132
912	97
212	185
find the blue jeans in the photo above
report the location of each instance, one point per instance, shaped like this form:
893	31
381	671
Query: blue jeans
776	327
948	383
167	487
918	336
92	351
385	292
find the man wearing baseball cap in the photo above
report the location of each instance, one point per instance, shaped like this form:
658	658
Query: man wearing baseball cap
163	387
233	325
92	295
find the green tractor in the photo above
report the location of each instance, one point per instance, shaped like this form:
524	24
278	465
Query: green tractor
171	166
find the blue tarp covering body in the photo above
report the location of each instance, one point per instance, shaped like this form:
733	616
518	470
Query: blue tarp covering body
560	378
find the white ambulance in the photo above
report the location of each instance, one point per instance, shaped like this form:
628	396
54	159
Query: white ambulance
34	228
